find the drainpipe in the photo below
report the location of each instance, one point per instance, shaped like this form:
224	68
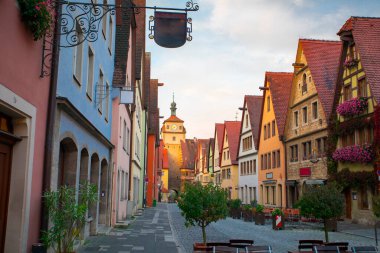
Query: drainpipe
145	150
48	152
130	152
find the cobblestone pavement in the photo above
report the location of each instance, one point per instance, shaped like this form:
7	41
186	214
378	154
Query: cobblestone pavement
150	232
282	241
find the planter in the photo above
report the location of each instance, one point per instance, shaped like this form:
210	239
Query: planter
355	154
352	107
282	226
248	215
260	219
201	247
332	225
235	213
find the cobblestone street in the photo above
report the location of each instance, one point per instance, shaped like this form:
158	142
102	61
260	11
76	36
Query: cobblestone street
161	229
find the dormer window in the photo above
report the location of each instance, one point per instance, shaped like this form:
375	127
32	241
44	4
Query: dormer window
304	84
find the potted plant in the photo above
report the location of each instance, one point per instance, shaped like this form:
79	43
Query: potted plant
37	16
247	213
235	208
202	205
259	216
67	216
278	216
323	202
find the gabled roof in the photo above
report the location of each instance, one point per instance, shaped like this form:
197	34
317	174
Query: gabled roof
323	57
366	35
219	129
188	147
254	104
173	118
233	133
280	88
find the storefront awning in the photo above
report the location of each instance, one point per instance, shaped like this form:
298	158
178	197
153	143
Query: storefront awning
314	182
291	182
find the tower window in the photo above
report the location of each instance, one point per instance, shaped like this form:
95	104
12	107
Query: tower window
174	138
167	126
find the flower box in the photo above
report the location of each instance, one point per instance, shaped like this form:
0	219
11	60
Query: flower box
352	107
355	154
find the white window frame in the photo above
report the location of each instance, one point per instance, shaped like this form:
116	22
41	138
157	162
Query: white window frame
312	113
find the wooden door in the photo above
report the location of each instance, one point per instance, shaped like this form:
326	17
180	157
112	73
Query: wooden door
5	175
347	195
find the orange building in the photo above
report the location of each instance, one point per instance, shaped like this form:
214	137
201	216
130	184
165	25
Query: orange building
272	173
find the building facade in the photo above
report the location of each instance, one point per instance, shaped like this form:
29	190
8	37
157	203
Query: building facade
247	157
358	90
310	107
271	175
229	163
218	144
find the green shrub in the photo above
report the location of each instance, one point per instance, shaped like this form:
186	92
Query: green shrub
277	211
259	208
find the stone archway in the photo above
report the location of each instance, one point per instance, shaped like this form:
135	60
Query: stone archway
83	177
94	179
68	156
103	192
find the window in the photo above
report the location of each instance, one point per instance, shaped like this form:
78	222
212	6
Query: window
104	21
265	162
78	54
128	141
90	73
261	162
273	128
246	121
268	103
180	127
278	159
228	154
254	166
294	153
265	132
306	150
125	135
167	126
268	128
110	36
174	138
304	84
107	101
228	173
270	162
250	167
319	146
241	168
100	91
274	195
314	108
362	88
267	193
304	115
295	119
347	94
247	143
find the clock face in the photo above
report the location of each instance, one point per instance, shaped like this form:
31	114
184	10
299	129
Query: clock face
174	127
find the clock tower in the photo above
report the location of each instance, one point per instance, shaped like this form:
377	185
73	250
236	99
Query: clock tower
173	133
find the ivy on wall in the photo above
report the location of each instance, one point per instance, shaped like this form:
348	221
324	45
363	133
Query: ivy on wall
346	178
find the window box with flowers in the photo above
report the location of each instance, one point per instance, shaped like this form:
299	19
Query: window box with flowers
352	107
37	16
355	154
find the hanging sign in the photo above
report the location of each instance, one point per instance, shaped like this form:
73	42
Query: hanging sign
170	29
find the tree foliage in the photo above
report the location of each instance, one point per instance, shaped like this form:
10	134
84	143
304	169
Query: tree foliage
67	215
322	202
203	204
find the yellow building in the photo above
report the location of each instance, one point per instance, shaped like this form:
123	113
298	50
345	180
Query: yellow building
229	164
310	106
271	173
359	93
173	132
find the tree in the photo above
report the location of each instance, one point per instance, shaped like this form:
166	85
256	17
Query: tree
201	205
67	215
323	202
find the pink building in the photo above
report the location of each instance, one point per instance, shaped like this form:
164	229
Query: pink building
23	115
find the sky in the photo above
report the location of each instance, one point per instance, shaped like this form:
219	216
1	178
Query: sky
234	43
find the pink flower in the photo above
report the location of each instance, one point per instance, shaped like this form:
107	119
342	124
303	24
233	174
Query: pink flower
354	154
352	107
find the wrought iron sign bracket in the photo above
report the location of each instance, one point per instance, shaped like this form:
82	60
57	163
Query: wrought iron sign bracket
79	22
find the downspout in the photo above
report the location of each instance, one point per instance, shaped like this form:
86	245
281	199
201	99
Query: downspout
110	186
44	217
130	152
145	162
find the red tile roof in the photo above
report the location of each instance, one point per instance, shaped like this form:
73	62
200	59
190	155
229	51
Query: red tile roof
233	133
254	104
188	147
280	88
366	34
173	118
323	60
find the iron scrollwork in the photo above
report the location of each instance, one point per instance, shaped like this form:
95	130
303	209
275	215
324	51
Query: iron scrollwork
191	6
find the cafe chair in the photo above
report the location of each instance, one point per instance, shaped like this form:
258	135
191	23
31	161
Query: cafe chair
364	249
325	249
258	249
343	246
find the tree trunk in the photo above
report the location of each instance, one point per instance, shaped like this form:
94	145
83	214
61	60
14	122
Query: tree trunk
204	233
326	232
